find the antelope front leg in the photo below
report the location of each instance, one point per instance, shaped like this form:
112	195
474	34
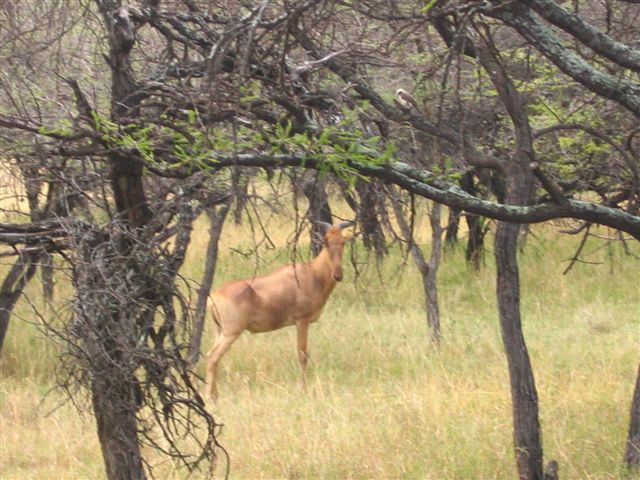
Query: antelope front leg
302	329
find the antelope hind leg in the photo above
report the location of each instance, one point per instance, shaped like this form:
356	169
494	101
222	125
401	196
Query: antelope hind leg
223	343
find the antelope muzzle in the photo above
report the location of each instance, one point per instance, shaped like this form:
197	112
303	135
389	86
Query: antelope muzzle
337	274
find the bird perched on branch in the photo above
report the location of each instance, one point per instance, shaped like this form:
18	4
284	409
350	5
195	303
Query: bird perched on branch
405	101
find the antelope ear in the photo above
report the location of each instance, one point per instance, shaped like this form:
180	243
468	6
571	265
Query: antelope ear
347	238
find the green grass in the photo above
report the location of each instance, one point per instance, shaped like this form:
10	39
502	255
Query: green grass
381	402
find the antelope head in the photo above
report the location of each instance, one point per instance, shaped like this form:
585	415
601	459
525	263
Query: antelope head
334	242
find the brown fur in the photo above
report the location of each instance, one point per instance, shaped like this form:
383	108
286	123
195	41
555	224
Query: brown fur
292	295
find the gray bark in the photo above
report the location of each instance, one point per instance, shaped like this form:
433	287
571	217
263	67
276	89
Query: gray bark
217	217
453	223
524	396
519	187
428	270
120	448
632	452
12	287
620	90
116	420
319	209
368	217
423	183
589	35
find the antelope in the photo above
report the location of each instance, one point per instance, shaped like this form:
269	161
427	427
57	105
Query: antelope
292	295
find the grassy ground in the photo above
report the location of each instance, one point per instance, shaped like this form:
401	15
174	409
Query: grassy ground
382	402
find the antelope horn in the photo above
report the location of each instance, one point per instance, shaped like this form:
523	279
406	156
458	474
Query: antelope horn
348	224
323	225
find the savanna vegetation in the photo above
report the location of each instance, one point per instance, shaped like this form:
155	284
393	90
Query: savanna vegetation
487	154
382	402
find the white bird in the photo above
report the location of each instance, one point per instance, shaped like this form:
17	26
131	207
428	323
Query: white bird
405	100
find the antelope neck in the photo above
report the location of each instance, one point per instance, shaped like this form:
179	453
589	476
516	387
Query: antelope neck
323	265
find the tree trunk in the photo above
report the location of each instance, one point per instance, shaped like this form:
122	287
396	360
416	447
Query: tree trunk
217	217
240	185
117	427
431	286
12	286
372	234
126	182
632	453
25	267
46	270
474	253
475	243
117	424
518	191
428	270
453	224
319	209
524	397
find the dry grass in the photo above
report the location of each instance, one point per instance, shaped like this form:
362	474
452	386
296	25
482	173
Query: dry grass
13	201
382	403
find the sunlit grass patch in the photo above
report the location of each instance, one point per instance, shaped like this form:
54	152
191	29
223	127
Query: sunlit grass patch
40	438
